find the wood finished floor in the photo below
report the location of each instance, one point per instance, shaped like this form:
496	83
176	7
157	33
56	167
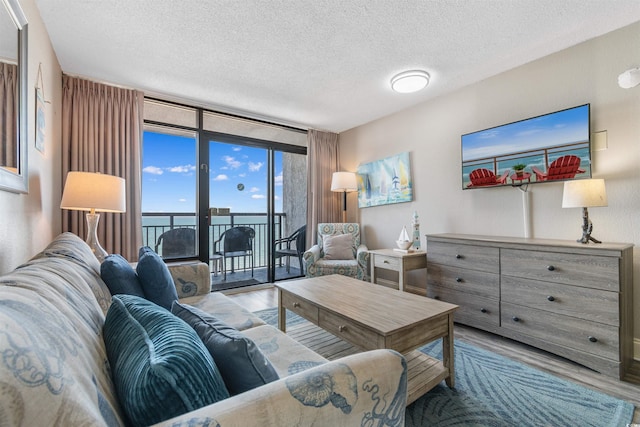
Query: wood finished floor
260	299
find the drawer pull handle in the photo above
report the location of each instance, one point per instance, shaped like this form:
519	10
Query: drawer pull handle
296	304
459	279
515	318
458	256
551	298
385	262
550	267
483	310
342	328
593	339
436	297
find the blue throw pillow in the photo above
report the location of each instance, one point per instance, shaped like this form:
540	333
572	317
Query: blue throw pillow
156	279
241	363
119	276
160	367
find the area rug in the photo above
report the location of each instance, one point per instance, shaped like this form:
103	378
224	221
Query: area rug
492	390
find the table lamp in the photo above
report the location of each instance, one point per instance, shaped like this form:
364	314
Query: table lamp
94	192
585	193
344	182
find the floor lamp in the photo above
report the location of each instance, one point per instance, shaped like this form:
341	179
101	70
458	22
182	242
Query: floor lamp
584	193
94	192
344	182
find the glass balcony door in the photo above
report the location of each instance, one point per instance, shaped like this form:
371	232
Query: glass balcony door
169	183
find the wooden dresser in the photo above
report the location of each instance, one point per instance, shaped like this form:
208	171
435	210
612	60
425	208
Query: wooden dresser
565	297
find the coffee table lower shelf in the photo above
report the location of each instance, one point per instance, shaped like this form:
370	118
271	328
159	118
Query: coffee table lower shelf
423	374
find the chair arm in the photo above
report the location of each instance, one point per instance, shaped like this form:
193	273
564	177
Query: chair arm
312	255
190	278
540	176
367	388
362	255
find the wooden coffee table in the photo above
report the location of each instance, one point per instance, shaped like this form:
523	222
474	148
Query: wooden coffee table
371	317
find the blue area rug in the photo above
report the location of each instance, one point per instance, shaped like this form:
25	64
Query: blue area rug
492	390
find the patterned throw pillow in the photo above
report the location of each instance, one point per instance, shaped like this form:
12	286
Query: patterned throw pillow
160	367
241	363
155	278
119	276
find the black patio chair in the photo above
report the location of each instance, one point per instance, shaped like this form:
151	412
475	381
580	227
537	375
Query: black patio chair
293	245
177	243
234	243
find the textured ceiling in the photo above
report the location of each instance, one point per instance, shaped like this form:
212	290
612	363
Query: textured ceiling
322	64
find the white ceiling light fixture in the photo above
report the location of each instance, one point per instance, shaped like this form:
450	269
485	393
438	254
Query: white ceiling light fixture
410	81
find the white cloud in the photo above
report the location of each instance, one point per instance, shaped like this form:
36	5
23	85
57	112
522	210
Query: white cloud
254	189
221	177
237	148
232	162
277	180
154	170
182	169
182	200
258	196
255	167
242	175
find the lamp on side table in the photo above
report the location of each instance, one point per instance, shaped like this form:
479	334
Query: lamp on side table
94	192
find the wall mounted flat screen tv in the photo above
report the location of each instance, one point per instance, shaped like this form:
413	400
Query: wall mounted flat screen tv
548	148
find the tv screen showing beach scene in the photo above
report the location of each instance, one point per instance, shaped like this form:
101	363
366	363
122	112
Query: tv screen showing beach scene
548	148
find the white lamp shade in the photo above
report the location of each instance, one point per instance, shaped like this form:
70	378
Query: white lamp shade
344	181
584	193
84	191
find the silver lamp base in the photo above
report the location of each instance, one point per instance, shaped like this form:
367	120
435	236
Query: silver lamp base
587	228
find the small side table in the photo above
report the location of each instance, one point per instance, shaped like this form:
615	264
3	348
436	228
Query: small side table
521	178
401	262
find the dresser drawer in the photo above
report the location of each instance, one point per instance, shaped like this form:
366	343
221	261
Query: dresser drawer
465	256
472	310
584	303
348	330
598	272
300	306
580	334
387	262
464	280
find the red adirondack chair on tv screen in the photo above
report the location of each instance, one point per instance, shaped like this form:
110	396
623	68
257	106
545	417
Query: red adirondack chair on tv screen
484	177
565	167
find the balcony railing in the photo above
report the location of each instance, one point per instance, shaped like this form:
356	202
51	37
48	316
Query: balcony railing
156	223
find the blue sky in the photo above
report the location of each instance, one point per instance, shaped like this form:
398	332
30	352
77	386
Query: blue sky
562	127
237	176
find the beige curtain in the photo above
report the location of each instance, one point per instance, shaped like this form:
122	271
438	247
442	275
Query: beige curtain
323	161
102	132
8	115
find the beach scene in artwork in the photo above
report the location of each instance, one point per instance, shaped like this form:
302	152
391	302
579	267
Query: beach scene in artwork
529	148
385	181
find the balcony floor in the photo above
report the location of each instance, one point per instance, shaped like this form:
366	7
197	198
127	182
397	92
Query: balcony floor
242	278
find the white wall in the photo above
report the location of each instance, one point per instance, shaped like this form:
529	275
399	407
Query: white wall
431	132
29	221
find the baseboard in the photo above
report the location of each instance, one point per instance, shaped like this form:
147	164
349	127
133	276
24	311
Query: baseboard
636	349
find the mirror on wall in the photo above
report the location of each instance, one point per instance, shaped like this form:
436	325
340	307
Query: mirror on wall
13	97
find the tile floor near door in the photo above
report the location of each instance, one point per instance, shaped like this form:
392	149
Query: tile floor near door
241	278
268	298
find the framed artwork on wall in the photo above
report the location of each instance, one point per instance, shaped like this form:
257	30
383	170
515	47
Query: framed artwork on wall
385	181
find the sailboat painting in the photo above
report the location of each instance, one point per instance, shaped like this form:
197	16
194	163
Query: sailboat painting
385	181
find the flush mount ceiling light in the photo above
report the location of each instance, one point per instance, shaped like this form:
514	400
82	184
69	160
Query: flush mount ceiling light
410	81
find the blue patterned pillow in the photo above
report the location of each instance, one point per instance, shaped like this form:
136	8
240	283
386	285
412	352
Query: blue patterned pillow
119	276
156	279
241	363
160	367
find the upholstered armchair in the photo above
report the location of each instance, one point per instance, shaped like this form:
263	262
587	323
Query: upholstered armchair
335	253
